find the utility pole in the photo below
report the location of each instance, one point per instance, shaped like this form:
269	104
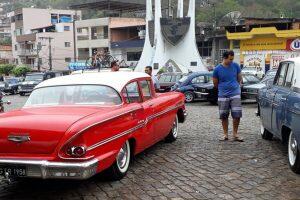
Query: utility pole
50	50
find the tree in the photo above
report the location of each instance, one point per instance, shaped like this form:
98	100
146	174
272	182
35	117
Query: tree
21	70
6	69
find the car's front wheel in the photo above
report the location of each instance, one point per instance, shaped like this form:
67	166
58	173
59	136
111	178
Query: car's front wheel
172	136
189	96
294	154
265	134
120	167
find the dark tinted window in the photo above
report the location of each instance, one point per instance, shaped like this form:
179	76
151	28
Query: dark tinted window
199	79
289	75
281	74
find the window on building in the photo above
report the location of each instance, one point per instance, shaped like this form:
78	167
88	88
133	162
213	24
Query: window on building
134	56
67	44
99	32
54	18
67	28
19	17
65	18
19	31
205	48
83	53
83	33
67	60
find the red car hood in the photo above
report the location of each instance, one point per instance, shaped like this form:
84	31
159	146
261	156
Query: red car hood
43	126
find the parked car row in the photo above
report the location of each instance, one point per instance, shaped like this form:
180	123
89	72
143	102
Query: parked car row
199	86
14	85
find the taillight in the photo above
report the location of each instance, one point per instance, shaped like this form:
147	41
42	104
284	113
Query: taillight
76	151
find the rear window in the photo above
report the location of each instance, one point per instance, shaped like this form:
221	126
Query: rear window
74	95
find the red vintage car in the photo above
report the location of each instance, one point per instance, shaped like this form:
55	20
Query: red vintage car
76	126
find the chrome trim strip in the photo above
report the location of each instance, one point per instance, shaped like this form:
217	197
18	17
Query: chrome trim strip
202	93
45	163
141	125
86	128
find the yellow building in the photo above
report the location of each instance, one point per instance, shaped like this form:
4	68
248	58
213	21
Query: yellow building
263	43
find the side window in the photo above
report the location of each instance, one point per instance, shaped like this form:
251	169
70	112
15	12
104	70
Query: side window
199	79
146	89
281	74
289	75
131	93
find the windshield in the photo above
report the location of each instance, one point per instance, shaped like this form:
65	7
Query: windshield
183	79
74	95
252	79
249	69
37	77
11	81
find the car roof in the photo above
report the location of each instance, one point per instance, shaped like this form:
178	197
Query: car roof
116	80
200	73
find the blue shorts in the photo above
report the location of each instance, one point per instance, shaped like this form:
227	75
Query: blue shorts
232	104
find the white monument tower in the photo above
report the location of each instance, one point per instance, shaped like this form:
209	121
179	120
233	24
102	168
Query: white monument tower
174	44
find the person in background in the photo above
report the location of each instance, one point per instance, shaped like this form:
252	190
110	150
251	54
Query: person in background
114	66
148	70
228	79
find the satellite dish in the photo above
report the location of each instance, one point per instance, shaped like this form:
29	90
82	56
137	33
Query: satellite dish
232	18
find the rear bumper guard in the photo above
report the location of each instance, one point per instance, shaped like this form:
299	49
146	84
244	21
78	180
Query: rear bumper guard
54	170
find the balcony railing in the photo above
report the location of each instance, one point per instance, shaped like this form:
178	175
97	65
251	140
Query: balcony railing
27	52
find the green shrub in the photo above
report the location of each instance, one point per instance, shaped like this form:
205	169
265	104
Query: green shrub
6	69
21	70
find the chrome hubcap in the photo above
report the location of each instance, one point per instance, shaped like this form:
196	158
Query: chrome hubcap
293	149
175	128
189	97
122	157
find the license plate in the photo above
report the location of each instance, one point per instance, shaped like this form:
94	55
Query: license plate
17	171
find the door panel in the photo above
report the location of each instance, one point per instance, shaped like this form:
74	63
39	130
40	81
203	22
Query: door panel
266	107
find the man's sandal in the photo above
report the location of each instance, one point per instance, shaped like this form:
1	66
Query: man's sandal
237	139
223	139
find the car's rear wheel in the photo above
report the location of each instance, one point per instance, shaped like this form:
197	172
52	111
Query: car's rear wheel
120	167
189	96
172	136
294	153
22	94
265	134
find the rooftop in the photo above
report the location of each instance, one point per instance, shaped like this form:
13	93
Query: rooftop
116	80
114	5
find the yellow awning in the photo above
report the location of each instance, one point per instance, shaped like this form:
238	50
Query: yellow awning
266	31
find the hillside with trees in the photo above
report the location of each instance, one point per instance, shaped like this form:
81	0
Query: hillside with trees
207	10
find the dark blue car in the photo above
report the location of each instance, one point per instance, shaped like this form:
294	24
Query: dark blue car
279	109
189	85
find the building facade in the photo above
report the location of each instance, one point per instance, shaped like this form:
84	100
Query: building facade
118	36
6	54
43	38
263	43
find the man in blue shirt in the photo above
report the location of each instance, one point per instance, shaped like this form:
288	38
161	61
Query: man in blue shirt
227	78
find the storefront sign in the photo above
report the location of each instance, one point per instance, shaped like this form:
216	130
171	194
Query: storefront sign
263	44
255	61
275	60
293	45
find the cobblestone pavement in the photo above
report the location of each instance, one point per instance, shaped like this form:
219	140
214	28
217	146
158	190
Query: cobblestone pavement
196	166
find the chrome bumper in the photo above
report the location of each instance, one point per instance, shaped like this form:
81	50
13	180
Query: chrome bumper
54	170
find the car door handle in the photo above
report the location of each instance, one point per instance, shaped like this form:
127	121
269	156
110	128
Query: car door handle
283	98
